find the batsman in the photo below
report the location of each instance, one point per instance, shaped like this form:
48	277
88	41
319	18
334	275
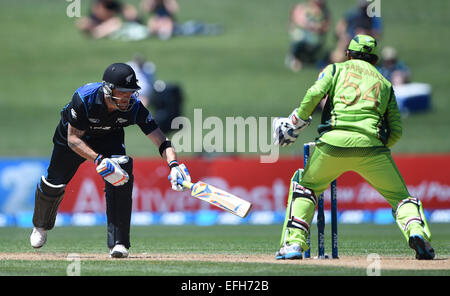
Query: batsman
92	128
360	123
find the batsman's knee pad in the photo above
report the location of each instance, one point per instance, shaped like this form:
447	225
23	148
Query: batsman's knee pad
47	199
409	214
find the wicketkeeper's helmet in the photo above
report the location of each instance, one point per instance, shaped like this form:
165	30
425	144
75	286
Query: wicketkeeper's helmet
364	44
363	47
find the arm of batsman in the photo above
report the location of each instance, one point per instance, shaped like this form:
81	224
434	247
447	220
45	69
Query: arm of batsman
110	170
286	130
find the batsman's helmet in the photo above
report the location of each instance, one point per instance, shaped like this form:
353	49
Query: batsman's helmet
120	76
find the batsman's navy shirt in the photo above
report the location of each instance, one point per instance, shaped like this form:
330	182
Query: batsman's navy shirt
88	112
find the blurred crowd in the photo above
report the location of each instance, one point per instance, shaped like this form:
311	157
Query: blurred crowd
309	25
108	16
117	19
164	99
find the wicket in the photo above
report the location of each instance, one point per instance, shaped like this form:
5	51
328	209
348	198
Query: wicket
307	149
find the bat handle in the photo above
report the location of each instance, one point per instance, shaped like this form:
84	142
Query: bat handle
184	183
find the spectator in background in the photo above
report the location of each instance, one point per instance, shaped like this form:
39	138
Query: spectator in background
309	23
356	21
106	17
164	99
145	74
392	69
162	17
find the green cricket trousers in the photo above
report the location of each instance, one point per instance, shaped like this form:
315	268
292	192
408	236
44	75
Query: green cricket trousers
327	162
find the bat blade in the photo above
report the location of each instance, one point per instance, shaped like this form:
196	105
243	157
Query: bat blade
219	198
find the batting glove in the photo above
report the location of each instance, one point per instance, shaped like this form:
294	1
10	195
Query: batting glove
178	174
110	170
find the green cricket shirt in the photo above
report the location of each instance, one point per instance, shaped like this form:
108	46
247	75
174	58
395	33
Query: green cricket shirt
361	109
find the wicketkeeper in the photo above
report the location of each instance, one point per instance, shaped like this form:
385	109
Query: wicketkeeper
92	128
360	123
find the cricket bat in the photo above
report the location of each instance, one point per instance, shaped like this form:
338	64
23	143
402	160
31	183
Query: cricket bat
218	197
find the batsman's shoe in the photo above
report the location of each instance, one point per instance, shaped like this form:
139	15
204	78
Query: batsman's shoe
289	251
423	249
119	251
38	237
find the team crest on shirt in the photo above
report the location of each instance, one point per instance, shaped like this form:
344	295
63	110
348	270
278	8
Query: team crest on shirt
73	113
321	75
121	120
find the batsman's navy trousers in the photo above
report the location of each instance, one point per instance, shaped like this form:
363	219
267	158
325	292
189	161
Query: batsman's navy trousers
64	164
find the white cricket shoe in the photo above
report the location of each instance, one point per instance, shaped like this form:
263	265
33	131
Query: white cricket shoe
119	251
38	237
289	251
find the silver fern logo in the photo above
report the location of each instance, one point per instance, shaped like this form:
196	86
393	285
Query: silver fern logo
128	78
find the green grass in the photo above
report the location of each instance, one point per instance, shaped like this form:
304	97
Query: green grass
239	73
354	240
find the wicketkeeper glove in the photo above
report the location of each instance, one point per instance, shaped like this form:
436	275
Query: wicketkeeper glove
178	173
286	130
110	170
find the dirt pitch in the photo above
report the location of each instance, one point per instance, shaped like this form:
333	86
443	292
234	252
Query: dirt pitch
345	261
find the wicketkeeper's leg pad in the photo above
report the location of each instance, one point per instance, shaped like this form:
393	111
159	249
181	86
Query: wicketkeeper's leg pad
299	213
47	199
411	219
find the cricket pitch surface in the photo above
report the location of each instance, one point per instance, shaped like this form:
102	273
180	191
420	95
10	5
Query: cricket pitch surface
398	263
